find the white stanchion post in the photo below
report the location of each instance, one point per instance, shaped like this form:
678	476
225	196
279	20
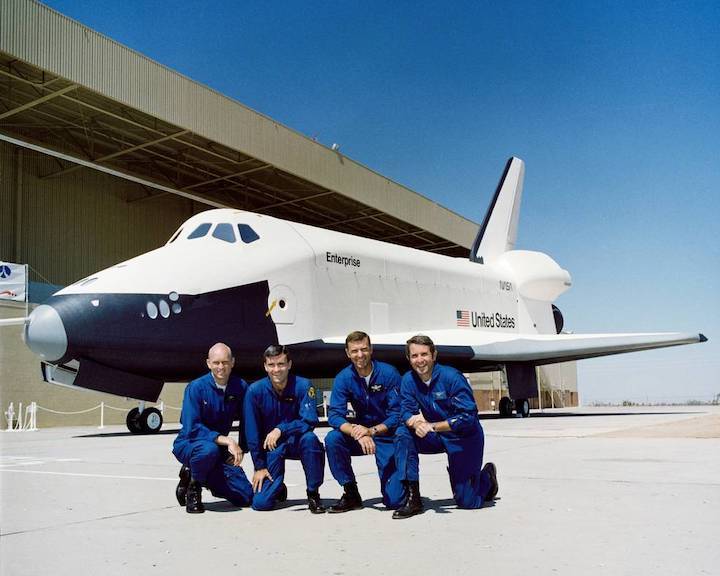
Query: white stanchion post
33	415
161	407
10	415
102	415
19	417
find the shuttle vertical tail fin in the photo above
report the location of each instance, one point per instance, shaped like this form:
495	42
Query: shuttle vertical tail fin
498	232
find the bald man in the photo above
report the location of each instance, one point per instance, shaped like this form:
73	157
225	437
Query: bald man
210	457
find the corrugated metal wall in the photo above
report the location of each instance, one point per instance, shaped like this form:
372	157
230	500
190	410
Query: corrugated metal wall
45	38
80	222
8	180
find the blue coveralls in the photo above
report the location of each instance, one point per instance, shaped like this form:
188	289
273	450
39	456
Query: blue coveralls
447	397
208	412
295	414
376	403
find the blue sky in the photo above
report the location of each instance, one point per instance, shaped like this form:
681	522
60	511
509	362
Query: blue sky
613	106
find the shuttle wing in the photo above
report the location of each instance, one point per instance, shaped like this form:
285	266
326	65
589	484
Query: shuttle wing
464	347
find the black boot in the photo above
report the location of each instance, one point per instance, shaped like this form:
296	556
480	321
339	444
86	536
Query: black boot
314	503
282	493
181	490
350	499
491	469
413	504
194	503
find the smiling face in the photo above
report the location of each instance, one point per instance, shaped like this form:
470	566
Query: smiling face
221	362
360	354
422	360
278	368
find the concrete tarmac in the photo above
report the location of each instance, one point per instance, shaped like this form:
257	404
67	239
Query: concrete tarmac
582	491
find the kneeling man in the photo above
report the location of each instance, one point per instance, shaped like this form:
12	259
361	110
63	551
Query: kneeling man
372	388
440	414
209	456
280	414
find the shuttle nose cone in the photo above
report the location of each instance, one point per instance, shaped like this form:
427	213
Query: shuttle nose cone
45	334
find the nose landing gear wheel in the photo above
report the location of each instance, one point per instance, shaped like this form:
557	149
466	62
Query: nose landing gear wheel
522	407
132	421
151	421
505	407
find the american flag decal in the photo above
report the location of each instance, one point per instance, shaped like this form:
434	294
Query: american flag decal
463	318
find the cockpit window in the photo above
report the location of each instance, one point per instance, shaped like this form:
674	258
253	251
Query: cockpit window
247	234
200	231
224	232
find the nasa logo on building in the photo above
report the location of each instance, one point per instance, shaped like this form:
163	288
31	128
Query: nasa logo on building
13	285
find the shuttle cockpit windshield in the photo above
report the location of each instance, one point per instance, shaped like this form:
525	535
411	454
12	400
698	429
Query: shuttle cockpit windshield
222	231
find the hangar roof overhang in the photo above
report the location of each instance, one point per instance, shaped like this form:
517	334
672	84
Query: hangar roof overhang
65	87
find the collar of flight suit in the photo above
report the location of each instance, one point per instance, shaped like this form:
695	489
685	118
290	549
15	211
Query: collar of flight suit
433	376
289	389
362	378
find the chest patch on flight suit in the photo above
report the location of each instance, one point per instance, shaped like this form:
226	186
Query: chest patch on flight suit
440	395
376	387
231	398
288	399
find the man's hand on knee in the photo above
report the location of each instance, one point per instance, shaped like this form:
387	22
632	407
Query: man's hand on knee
259	477
367	444
272	439
233	448
236	453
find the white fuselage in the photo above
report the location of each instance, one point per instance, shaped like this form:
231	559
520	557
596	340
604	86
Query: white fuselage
324	283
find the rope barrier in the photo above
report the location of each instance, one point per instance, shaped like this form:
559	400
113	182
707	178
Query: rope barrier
69	413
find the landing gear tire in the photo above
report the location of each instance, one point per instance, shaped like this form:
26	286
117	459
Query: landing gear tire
151	421
505	407
522	407
132	421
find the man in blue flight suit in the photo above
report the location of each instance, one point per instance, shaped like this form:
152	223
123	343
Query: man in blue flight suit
438	408
280	414
372	388
209	456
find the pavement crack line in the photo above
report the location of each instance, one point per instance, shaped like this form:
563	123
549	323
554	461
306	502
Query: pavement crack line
87	475
86	521
621	481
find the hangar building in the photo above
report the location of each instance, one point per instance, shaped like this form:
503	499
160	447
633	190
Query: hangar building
104	152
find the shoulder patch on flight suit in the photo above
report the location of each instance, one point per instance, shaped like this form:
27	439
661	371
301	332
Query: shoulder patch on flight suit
311	392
